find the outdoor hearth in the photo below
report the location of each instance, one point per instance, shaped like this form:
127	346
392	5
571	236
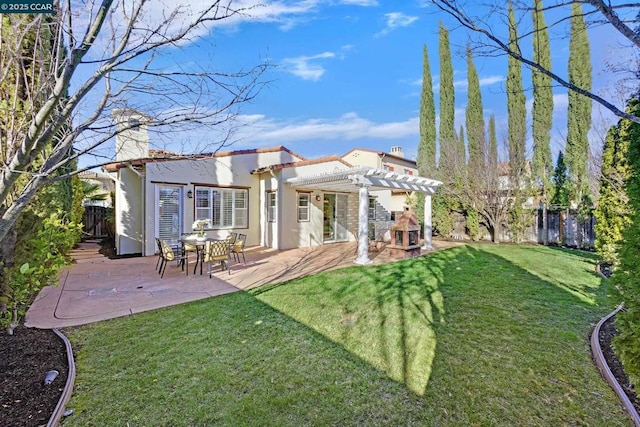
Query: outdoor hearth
405	235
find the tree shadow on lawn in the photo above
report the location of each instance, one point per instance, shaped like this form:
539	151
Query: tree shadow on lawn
564	267
239	362
397	317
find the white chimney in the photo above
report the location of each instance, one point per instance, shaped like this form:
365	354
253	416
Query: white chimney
396	150
132	140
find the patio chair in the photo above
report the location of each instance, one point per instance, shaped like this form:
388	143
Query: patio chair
218	251
169	253
232	237
190	247
158	263
238	248
160	255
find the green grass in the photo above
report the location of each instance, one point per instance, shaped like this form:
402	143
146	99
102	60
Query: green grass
476	335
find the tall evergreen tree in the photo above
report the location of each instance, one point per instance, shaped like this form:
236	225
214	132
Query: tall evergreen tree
492	159
474	119
461	150
579	113
613	213
561	184
447	136
541	163
516	107
427	147
627	276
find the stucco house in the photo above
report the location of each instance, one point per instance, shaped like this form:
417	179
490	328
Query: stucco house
278	198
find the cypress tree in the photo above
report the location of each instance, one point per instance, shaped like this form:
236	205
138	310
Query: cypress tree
541	163
447	137
427	147
626	277
561	184
474	119
492	160
461	151
516	107
613	211
579	113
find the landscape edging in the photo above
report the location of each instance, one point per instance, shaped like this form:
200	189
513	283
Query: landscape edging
598	356
58	412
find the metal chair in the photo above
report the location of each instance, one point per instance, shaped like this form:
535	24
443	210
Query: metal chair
159	262
232	237
218	251
169	253
191	247
237	247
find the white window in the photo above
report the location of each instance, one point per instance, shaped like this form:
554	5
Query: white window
303	207
372	208
271	207
224	207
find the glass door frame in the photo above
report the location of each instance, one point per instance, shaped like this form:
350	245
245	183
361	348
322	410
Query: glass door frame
335	217
179	221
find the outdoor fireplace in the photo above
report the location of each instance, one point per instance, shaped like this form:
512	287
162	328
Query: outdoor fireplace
405	235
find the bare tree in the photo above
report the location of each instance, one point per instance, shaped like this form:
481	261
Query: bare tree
485	188
596	12
105	56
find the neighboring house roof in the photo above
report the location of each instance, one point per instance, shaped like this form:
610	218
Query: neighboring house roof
382	154
104	180
163	156
305	162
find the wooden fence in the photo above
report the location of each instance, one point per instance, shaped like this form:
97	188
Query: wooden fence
95	221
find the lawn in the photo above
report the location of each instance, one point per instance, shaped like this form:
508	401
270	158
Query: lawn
475	335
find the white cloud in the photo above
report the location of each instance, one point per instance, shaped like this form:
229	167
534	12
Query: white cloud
349	126
484	81
183	14
360	2
396	20
305	67
489	80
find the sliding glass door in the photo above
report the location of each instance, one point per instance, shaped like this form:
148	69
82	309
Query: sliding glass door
335	208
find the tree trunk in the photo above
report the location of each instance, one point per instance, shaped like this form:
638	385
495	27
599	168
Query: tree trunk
7	250
495	235
545	226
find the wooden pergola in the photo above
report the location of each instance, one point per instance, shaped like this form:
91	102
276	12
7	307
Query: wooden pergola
360	180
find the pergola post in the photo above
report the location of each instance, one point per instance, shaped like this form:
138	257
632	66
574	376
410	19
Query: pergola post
427	223
363	226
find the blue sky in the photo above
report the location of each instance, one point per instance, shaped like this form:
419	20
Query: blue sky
347	73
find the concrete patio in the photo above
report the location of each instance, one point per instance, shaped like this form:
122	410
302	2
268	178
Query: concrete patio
97	288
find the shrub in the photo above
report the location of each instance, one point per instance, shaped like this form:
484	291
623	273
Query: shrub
627	276
612	212
473	224
46	254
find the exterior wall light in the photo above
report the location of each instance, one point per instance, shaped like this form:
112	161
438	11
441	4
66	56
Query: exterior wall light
318	197
190	194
